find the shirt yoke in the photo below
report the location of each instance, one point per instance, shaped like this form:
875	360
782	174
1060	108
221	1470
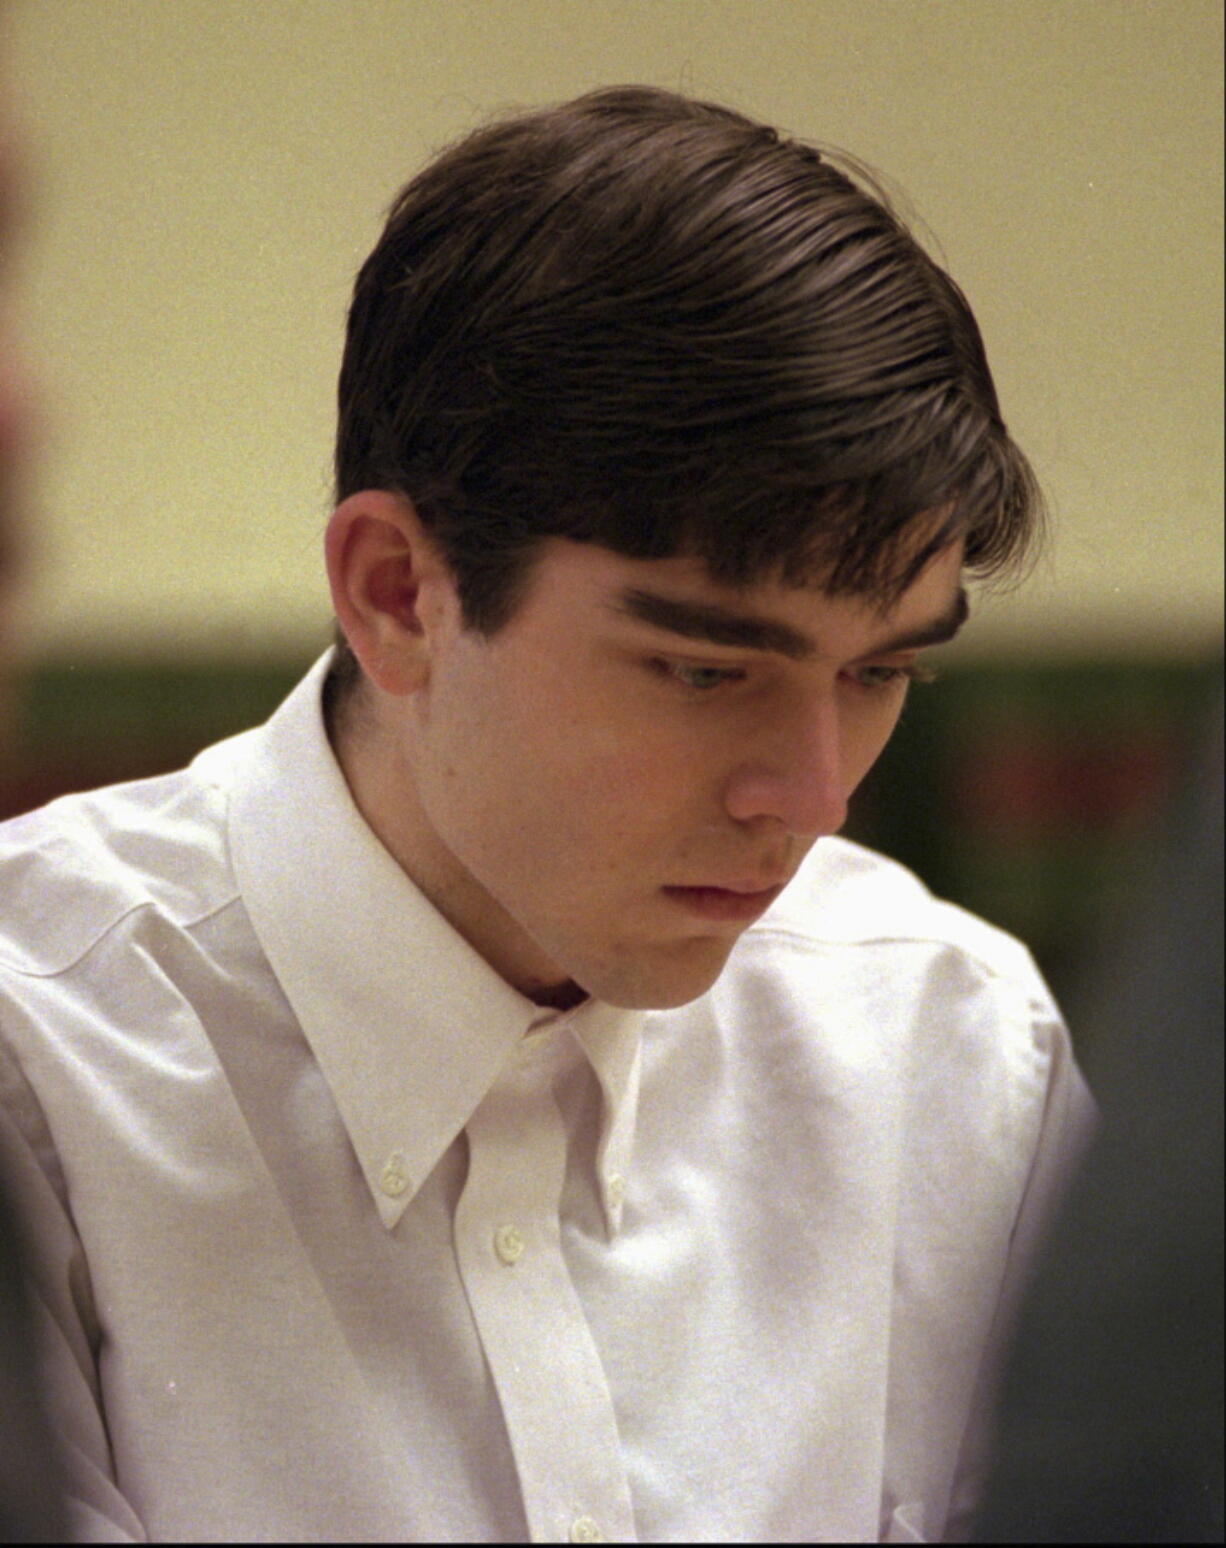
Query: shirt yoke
845	894
70	872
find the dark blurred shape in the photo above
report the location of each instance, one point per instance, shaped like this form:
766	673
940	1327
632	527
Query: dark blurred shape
1112	1426
32	1506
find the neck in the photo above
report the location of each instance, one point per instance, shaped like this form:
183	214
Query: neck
563	997
382	783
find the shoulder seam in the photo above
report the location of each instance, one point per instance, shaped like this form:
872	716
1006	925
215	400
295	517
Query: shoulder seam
92	945
783	933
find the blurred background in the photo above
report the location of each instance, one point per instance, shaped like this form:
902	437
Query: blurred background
209	174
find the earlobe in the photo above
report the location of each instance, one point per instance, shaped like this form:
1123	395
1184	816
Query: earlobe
381	568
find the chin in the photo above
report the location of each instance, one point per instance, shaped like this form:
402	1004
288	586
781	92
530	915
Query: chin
656	981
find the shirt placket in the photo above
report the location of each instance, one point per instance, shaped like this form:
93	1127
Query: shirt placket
552	1387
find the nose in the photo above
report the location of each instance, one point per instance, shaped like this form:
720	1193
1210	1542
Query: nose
795	774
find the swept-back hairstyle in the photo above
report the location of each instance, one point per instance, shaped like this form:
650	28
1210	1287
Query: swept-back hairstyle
651	323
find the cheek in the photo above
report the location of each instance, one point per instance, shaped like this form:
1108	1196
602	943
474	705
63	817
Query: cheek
619	816
517	775
615	799
869	729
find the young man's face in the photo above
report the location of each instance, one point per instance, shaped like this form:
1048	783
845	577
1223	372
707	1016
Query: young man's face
599	794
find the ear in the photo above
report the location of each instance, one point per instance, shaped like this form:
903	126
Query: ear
389	583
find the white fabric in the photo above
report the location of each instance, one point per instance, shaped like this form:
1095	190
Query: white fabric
330	1247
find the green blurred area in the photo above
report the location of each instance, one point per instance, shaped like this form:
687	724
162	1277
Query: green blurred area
1033	794
1040	795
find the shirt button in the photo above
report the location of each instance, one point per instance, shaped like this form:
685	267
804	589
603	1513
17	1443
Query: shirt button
508	1244
395	1177
584	1530
617	1189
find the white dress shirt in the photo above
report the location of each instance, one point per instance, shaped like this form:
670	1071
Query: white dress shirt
337	1236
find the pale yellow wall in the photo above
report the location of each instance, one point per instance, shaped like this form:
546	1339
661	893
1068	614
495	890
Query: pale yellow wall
210	173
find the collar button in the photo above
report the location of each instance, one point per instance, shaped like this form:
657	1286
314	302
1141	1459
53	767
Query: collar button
395	1180
508	1244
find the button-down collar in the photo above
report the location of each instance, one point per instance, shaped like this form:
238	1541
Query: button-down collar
409	1024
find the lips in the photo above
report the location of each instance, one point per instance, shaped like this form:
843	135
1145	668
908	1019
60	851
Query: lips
746	889
753	887
738	902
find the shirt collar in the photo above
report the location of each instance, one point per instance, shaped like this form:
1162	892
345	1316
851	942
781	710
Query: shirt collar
409	1024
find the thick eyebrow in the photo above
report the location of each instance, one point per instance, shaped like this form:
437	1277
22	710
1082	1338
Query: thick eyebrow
716	625
939	632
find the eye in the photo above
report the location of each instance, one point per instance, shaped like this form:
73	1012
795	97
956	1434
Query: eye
697	679
877	679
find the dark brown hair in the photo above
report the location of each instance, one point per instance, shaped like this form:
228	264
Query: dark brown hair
651	323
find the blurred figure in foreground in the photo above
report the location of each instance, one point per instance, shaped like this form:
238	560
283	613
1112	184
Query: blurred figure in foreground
13	406
31	1507
1112	1424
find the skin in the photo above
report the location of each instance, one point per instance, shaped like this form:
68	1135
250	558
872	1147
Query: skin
544	786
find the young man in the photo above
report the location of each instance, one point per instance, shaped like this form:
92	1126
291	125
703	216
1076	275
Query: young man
487	1102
